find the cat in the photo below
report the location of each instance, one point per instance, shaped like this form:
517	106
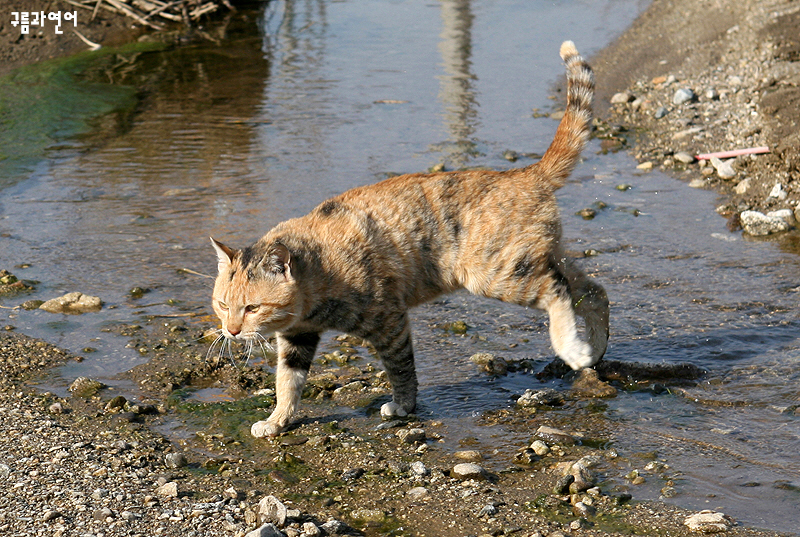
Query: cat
359	261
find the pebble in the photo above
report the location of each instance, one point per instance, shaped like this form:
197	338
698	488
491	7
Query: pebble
784	214
724	168
369	515
72	303
175	460
411	436
683	95
621	98
778	192
418	493
267	530
490	363
540	448
168	490
469	455
708	522
271	511
418	468
553	435
544	397
743	186
661	112
684	157
758	224
468	470
85	387
645	166
311	530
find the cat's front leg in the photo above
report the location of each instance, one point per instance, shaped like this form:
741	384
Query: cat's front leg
394	347
295	354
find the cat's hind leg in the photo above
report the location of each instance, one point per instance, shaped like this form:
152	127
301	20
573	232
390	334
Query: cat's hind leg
295	354
393	344
590	301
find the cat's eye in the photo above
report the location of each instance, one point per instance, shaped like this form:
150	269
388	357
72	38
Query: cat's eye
252	308
222	305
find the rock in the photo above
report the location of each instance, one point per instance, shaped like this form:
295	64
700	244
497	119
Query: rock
271	511
724	168
56	408
683	95
352	474
584	479
267	530
778	192
708	522
645	166
684	157
540	448
103	514
490	363
544	397
168	490
563	483
554	436
661	112
759	224
468	470
334	527
743	186
583	510
712	94
368	515
418	493
311	530
469	455
621	98
488	510
116	404
587	213
175	460
85	387
73	303
411	436
588	384
51	515
784	214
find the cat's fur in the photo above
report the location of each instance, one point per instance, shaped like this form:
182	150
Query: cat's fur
359	261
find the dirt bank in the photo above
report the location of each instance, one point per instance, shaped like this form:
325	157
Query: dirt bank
741	61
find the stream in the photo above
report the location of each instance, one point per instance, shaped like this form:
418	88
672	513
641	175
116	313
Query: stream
301	100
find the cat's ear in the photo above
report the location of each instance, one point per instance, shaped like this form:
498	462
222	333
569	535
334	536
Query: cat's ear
278	260
224	254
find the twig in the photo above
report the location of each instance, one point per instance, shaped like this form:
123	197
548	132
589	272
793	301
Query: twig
734	153
177	315
92	45
7	308
190	271
96	7
132	14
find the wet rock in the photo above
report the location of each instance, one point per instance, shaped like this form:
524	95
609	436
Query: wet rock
708	522
334	527
411	436
73	303
267	530
554	436
469	455
583	510
271	511
418	493
587	213
588	384
758	224
56	408
418	468
352	474
683	95
545	397
540	448
116	404
85	387
175	460
31	304
784	214
494	365
724	168
468	470
584	478
563	483
368	515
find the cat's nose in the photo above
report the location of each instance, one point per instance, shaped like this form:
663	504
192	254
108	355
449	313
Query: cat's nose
234	332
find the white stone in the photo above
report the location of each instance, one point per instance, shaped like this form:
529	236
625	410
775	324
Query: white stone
621	98
743	186
784	214
708	522
468	470
267	530
759	224
73	303
271	511
724	168
683	95
778	192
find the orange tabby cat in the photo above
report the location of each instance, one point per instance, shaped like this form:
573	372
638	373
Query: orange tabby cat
359	261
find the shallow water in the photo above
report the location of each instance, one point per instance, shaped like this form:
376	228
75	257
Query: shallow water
227	140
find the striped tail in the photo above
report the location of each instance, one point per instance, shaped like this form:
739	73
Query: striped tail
573	131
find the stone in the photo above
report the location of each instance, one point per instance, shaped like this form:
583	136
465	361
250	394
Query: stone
411	436
369	515
742	186
588	384
661	112
621	98
584	479
708	522
311	530
544	397
490	363
418	468
778	192
468	470
352	474
73	303
684	157
175	460
683	95
56	408
554	436
563	483
334	527
85	387
784	214
724	168
758	224
469	455
271	511
103	514
267	530
418	493
168	490
540	448
645	166
583	510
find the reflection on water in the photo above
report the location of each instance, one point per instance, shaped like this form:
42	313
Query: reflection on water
228	139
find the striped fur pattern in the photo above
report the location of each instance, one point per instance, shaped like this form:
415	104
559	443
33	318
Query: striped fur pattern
359	261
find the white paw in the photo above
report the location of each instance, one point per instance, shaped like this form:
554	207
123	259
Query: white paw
579	356
264	428
392	410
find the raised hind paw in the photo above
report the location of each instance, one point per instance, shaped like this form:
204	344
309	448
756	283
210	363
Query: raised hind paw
264	428
392	410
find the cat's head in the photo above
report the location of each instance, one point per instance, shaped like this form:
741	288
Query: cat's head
255	290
